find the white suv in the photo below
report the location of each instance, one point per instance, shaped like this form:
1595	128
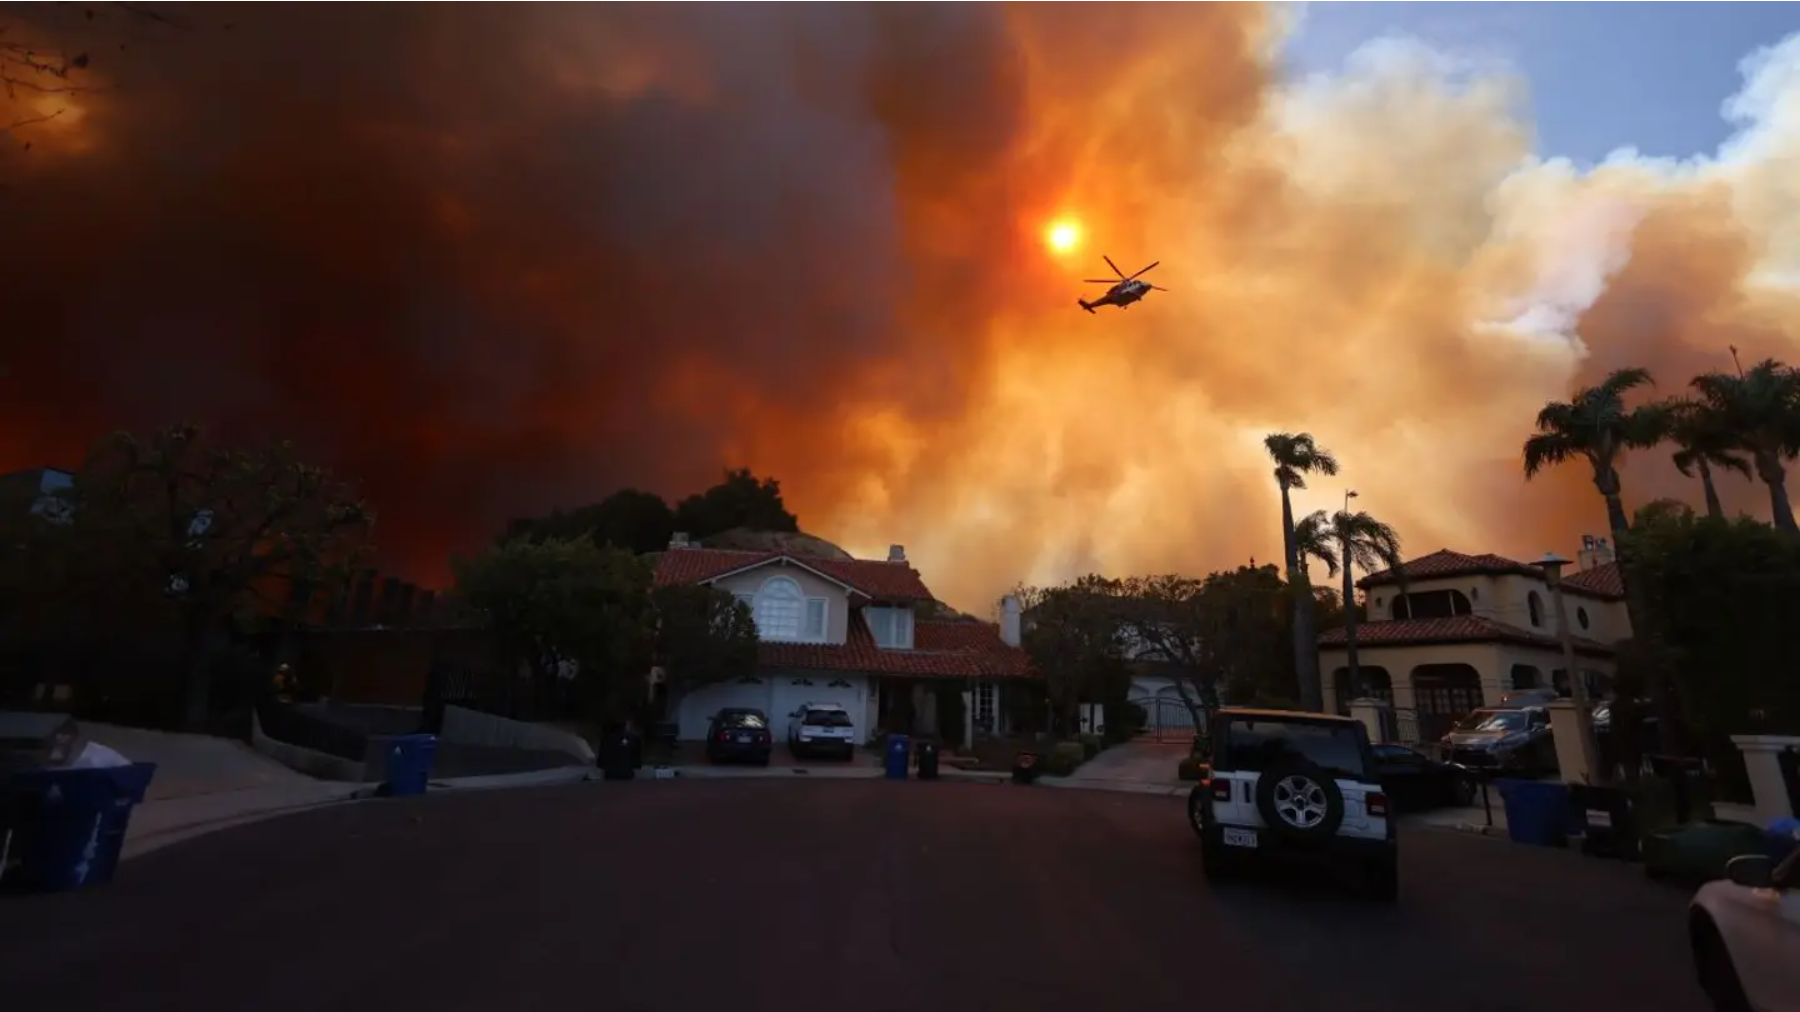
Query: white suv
1289	784
821	727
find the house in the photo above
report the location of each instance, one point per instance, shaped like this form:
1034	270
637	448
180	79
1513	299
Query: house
1471	627
858	632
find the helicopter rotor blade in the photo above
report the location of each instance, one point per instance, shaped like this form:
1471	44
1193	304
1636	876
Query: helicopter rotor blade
1158	288
1134	276
1101	281
1115	267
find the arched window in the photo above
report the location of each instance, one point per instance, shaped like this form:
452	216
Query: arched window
1535	606
779	608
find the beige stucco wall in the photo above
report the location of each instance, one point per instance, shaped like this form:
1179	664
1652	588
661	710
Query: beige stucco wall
1493	663
1507	599
837	618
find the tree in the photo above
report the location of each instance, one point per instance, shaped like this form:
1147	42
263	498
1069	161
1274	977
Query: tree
1073	636
180	523
740	500
1597	427
703	636
1170	622
1347	540
1295	457
1706	440
630	518
1761	409
1721	596
566	609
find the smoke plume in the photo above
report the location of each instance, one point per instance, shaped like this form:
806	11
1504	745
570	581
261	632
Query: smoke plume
487	260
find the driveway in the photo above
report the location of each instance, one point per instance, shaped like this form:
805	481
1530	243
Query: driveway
190	765
660	896
1137	762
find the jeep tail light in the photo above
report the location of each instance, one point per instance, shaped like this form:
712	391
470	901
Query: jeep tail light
1377	804
724	736
1221	790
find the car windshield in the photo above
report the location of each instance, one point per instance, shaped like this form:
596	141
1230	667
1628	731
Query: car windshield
1493	720
826	718
1256	745
751	721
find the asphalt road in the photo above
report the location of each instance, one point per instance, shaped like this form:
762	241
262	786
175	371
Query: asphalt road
858	895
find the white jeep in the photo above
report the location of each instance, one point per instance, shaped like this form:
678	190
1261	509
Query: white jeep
1290	784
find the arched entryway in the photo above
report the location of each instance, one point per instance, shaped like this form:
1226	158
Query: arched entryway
1444	694
1380	685
1527	676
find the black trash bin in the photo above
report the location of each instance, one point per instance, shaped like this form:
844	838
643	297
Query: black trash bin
620	755
1607	821
1685	775
63	829
1025	768
927	755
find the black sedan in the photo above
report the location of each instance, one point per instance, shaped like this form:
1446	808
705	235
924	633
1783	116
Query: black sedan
739	735
1417	783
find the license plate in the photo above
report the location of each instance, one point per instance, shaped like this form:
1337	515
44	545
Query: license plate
743	739
1240	838
1599	818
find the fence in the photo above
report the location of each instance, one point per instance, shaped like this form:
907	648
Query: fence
290	726
499	693
1167	720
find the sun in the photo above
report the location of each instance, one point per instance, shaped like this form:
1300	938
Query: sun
1062	236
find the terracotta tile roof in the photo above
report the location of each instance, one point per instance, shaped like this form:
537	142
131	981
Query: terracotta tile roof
1601	581
881	581
1445	563
940	650
1461	629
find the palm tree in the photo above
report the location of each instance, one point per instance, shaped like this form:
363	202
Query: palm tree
1350	541
1596	426
1761	407
1706	441
1295	457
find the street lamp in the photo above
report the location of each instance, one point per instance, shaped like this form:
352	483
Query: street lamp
1552	564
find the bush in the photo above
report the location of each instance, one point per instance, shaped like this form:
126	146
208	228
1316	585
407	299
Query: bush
1091	745
1192	767
1065	758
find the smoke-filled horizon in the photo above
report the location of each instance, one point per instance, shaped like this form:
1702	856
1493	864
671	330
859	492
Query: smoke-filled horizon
486	261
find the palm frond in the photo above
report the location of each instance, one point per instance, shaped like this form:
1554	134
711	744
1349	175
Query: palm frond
1548	449
1314	538
1620	381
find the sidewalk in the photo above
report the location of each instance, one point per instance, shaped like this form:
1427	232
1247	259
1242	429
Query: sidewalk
160	822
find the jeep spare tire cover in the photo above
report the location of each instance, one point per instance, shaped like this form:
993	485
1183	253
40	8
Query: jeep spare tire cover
1300	801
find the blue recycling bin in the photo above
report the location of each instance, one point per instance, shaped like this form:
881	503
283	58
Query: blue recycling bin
899	747
64	829
1537	811
409	764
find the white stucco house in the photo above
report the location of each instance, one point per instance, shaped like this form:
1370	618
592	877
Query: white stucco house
849	631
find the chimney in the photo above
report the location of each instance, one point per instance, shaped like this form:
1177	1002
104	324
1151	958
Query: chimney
1595	551
678	540
1009	620
897	553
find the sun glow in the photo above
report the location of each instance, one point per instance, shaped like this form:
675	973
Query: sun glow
1062	236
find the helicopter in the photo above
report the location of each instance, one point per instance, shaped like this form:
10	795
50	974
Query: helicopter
1124	291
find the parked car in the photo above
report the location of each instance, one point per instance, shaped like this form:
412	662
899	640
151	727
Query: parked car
1510	742
739	734
822	728
1286	784
1745	932
1419	783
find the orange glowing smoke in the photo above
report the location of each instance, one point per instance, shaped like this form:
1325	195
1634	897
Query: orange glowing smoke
837	245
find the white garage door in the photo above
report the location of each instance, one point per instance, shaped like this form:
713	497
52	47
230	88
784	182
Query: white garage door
698	706
794	691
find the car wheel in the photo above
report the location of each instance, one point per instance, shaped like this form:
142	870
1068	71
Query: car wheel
1462	792
1300	802
1196	808
1718	975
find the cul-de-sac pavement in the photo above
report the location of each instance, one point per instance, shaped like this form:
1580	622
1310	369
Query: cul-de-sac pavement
867	895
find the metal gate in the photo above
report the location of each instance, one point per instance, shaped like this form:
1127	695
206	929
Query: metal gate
1167	719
